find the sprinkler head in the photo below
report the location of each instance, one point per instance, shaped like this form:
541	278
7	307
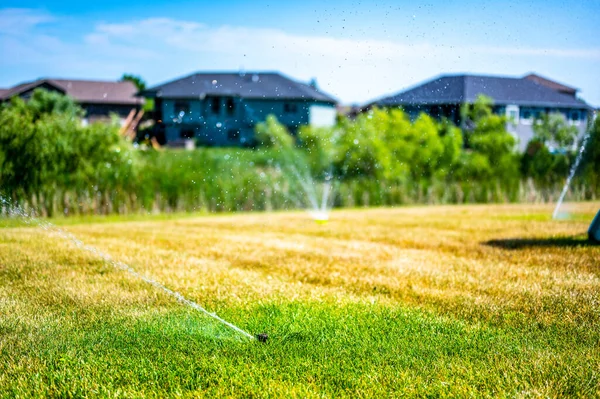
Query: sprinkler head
320	217
262	337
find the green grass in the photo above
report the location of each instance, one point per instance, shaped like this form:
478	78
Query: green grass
457	301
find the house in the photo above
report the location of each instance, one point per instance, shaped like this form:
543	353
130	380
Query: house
220	108
521	99
99	99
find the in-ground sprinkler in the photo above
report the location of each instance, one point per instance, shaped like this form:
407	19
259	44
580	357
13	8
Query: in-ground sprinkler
262	337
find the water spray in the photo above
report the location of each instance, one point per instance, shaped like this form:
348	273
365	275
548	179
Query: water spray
49	227
570	177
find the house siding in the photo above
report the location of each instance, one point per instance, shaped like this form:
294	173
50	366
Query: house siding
521	129
211	122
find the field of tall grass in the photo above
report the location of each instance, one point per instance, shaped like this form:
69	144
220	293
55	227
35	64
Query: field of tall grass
236	179
460	301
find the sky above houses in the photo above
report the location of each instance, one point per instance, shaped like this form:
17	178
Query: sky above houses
357	51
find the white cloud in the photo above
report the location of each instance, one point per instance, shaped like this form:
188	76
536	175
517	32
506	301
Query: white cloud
351	69
14	21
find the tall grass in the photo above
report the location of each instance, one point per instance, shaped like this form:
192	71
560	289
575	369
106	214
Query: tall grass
231	179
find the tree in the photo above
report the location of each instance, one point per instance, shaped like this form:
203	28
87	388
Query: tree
140	84
548	168
492	158
137	80
590	170
45	151
551	129
490	138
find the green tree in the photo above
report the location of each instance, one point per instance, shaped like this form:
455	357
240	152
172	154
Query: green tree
552	129
362	148
590	170
141	85
271	133
137	80
45	152
492	160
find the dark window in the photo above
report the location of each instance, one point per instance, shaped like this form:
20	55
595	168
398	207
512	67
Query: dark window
182	107
575	116
526	114
233	135
230	106
216	105
186	133
290	108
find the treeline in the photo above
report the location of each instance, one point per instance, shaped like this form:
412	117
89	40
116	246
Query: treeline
53	164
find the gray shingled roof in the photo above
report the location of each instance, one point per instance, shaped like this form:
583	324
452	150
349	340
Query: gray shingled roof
551	84
251	85
466	88
84	91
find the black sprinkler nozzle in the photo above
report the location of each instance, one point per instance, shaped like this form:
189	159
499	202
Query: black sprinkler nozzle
262	337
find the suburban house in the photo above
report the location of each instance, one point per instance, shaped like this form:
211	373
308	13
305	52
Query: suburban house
99	99
223	108
521	99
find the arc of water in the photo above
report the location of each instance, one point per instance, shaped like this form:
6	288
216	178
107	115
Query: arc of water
17	211
325	199
571	174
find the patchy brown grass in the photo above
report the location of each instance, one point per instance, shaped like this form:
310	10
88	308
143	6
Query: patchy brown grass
508	267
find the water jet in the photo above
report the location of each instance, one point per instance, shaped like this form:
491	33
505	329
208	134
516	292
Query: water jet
565	189
30	218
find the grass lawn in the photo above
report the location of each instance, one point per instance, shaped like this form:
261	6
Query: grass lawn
480	301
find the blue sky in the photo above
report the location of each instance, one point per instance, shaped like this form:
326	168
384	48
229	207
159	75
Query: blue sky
358	51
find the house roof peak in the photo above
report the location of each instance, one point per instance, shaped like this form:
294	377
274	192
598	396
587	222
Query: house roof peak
246	84
461	88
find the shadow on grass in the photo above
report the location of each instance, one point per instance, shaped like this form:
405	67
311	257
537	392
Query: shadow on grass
550	242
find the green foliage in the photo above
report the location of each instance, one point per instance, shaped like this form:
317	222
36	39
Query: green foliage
362	150
548	170
494	161
271	133
46	150
140	84
137	80
319	145
590	169
552	129
50	162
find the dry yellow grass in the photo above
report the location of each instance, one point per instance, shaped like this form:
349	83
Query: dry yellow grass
495	258
504	266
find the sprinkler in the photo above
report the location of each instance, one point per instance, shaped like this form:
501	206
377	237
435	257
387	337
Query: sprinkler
320	217
262	337
594	230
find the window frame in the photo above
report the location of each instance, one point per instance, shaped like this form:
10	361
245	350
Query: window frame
513	108
215	105
575	122
180	106
527	121
290	108
230	106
